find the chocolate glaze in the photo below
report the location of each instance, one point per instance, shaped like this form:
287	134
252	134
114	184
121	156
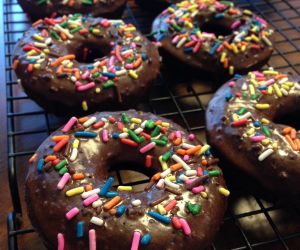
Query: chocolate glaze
106	8
58	93
279	172
47	205
242	62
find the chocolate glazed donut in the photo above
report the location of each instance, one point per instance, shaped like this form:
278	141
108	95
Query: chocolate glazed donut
213	36
243	125
71	198
78	64
98	8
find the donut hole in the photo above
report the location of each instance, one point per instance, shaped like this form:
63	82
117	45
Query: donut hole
217	28
130	174
290	119
90	52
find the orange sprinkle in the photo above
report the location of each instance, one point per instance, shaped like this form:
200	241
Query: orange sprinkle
71	3
61	144
88	188
227	45
50	158
225	64
297	142
83	119
32	158
286	130
15	64
204	162
194	150
60	69
63	36
77	73
290	141
60	59
58	138
181	151
78	176
155	177
177	141
30	67
113	211
176	167
36	23
158	122
293	134
68	70
113	202
137	63
94	70
280	76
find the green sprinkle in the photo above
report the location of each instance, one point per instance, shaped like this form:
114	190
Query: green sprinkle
156	131
130	60
141	139
245	95
125	118
166	156
164	138
75	30
255	96
40	2
266	131
95	75
54	34
87	2
63	171
133	136
214	173
242	111
176	27
60	165
64	24
194	209
75	16
150	124
159	142
108	84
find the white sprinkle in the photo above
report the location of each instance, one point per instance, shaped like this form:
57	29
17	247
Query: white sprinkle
97	203
265	154
191	172
181	42
74	154
136	203
97	221
187	145
123	135
165	173
246	115
138	131
183	177
121	72
179	160
284	92
283	80
84	195
244	86
89	122
160	184
171	184
143	125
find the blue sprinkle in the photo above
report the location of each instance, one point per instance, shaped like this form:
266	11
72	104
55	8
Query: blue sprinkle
159	217
91	66
207	152
40	165
111	194
146	239
106	186
188	50
219	16
214	48
205	172
109	75
85	134
80	229
178	180
256	124
263	87
118	68
115	135
144	56
237	76
160	37
257	133
120	210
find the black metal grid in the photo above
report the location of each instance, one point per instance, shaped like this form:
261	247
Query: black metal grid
28	125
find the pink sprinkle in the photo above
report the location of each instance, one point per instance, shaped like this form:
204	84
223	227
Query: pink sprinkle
69	124
202	6
86	86
129	66
72	213
199	171
191	137
197	190
219	6
88	201
231	84
133	45
105	135
135	241
186	157
112	69
104	78
188	181
77	84
269	82
60	242
178	134
259	74
85	75
92	239
235	25
165	11
63	181
147	147
261	20
194	38
185	226
257	138
175	39
111	60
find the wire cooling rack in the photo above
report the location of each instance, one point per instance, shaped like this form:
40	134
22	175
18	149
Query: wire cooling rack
250	222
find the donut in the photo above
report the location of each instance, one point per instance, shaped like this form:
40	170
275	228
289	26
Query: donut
72	201
245	125
49	8
155	5
76	64
213	36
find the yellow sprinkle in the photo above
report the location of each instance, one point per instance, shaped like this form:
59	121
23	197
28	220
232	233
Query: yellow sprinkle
234	48
75	191
231	70
255	38
235	117
262	106
224	191
130	29
97	90
274	145
270	90
37	66
125	188
254	82
277	90
133	74
270	72
38	38
204	195
31	52
250	131
251	90
136	120
193	7
223	56
265	142
125	130
104	69
243	49
84	106
137	39
161	209
171	178
96	31
165	124
132	126
248	12
171	10
291	84
203	149
265	121
47	51
164	165
76	143
286	87
188	24
198	33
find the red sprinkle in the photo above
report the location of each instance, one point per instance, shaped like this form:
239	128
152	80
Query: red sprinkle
98	125
176	223
129	142
148	161
239	123
60	144
170	205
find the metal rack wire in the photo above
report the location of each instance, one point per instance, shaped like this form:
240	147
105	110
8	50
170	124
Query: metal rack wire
251	222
